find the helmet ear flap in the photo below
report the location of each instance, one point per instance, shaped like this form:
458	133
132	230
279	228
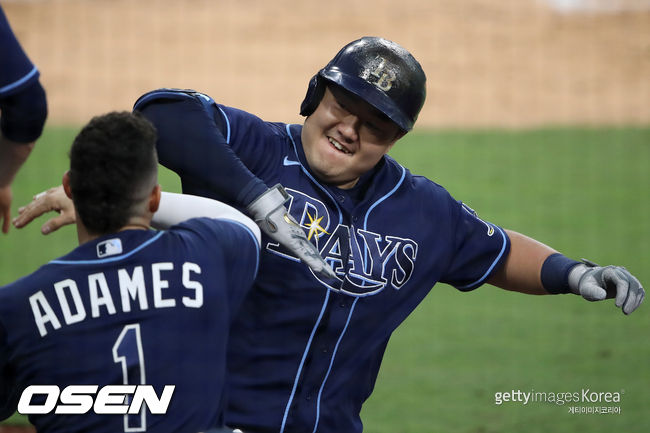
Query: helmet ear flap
314	94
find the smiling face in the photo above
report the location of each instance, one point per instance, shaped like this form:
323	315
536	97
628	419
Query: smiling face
345	137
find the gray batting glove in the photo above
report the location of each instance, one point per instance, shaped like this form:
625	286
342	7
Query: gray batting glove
269	213
595	283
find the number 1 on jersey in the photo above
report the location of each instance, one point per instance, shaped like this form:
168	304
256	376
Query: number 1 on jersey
127	351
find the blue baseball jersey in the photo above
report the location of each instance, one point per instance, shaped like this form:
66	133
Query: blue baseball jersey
17	71
305	352
134	307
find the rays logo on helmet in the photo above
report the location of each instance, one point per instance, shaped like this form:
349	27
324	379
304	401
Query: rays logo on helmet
380	75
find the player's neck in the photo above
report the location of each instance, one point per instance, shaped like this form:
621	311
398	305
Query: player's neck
84	235
140	222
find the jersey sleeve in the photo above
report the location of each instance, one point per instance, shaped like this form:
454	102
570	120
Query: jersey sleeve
190	142
17	71
480	248
8	400
234	249
256	142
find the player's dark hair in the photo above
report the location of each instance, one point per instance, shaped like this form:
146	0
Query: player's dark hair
113	168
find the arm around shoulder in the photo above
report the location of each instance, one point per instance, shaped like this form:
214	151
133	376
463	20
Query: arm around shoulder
176	208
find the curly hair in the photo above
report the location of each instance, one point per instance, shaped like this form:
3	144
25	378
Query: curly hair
113	167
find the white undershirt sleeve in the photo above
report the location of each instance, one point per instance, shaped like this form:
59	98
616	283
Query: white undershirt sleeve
176	208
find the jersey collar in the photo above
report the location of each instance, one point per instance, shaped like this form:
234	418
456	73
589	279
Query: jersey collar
379	181
110	248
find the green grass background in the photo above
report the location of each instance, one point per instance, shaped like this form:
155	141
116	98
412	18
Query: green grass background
584	191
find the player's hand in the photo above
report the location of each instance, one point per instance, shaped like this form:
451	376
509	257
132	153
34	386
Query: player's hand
5	207
595	283
52	200
269	213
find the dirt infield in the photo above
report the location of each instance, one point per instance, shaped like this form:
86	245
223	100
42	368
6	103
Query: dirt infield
488	62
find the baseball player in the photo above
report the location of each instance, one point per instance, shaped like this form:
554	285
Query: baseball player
130	306
306	348
23	110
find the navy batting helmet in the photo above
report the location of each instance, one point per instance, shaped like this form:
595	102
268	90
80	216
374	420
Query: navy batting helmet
380	72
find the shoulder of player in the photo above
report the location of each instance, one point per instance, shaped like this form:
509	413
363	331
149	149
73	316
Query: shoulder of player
214	238
24	284
414	183
431	198
232	117
200	227
245	132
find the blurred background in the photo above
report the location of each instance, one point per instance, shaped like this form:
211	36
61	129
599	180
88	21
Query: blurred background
489	62
537	116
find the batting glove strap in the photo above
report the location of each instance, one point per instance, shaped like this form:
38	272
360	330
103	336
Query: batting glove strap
271	215
595	283
266	208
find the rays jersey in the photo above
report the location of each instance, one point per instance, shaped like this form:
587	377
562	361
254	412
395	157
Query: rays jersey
134	307
17	71
305	352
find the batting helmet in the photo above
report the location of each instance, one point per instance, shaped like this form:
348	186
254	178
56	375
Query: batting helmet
380	72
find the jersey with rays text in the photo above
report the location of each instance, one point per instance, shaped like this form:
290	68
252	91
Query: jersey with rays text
130	308
305	351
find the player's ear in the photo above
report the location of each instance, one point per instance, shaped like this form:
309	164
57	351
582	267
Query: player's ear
154	199
66	184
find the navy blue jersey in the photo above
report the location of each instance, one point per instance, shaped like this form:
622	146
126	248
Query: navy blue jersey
305	352
17	71
135	307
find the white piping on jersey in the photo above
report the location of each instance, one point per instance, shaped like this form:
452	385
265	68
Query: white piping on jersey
322	311
375	204
389	193
227	123
302	167
336	348
111	259
19	82
356	298
503	248
302	361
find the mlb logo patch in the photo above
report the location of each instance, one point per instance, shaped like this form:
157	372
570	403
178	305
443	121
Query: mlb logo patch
109	247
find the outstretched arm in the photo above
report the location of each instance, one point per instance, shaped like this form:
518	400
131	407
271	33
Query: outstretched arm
535	268
173	209
191	143
522	270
